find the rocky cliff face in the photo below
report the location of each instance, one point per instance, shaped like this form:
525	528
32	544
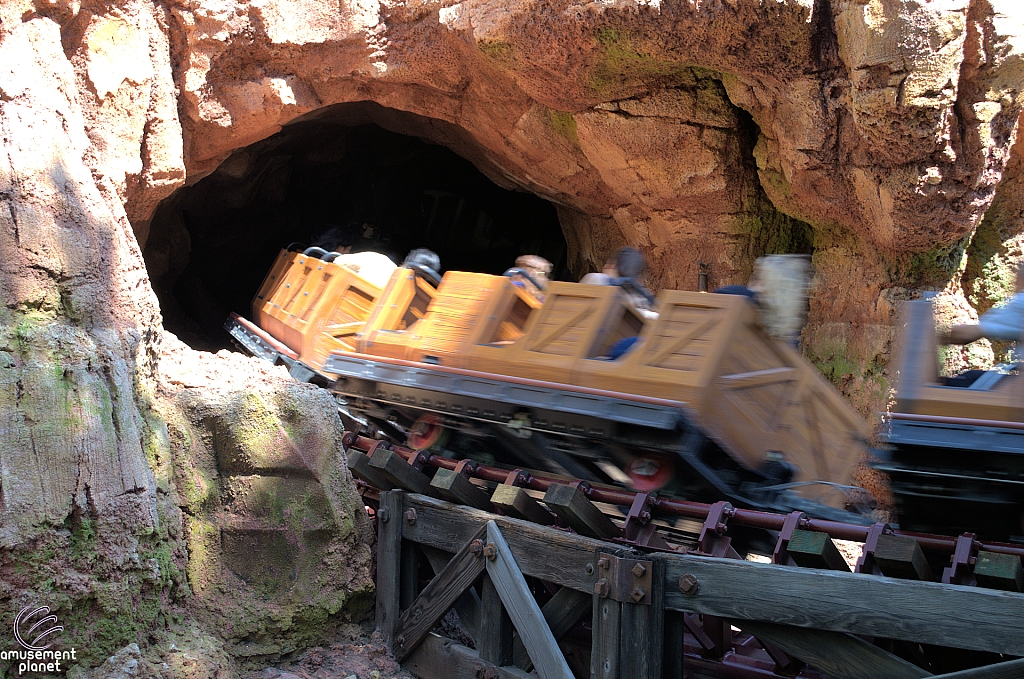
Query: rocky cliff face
877	135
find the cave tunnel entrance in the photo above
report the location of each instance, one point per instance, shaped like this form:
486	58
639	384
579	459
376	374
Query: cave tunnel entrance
334	180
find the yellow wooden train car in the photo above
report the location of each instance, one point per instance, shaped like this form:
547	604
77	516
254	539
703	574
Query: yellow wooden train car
701	390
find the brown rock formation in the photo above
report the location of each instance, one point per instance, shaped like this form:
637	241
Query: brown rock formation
874	133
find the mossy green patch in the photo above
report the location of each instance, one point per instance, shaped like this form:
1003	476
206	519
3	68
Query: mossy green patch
501	53
623	64
564	124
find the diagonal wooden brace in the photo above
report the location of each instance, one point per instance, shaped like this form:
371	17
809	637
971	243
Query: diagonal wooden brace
438	597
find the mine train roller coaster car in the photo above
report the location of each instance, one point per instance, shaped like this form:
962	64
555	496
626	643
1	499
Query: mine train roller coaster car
703	404
955	457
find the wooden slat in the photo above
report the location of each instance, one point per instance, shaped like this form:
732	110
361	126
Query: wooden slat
816	550
495	642
523	609
900	556
842	656
400	473
758	378
555	556
518	504
468	605
672	650
359	465
436	598
999	571
573	507
985	620
439	658
389	550
562	612
455	487
604	649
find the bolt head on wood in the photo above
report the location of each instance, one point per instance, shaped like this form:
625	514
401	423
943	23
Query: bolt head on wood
688	584
638	593
490	551
478	671
602	588
476	548
400	641
604	563
384	514
410	515
639	570
589	568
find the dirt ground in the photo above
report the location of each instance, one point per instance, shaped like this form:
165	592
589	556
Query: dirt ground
359	653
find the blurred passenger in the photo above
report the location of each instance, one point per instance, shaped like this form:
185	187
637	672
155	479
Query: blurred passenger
425	258
1005	322
536	269
623	269
778	288
372	266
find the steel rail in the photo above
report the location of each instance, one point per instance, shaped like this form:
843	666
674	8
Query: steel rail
751	518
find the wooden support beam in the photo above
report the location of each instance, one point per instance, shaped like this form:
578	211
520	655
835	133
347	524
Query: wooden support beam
400	473
468	605
816	550
642	634
672	649
436	598
389	551
495	642
899	556
523	609
604	648
455	487
518	504
562	612
410	578
985	620
439	658
842	656
359	465
999	571
573	507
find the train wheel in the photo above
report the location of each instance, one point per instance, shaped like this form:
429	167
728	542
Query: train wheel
426	432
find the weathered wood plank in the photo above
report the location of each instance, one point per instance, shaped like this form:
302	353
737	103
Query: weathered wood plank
468	605
604	649
672	650
436	598
455	487
552	555
523	609
899	556
1013	669
816	550
642	634
359	465
400	473
518	504
439	658
985	620
495	642
573	506
389	552
999	571
842	656
562	612
409	580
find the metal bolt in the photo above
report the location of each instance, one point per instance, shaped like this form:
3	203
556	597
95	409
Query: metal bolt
476	548
604	563
491	673
384	514
639	570
400	641
410	515
589	568
689	584
478	671
602	588
490	551
638	593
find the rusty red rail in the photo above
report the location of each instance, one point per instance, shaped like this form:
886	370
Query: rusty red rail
674	507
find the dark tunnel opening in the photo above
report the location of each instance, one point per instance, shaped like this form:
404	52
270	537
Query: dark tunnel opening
335	184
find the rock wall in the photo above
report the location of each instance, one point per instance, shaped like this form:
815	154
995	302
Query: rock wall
873	133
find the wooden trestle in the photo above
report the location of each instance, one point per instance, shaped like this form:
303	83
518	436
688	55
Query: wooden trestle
657	615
